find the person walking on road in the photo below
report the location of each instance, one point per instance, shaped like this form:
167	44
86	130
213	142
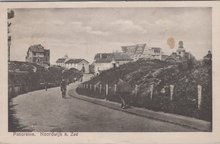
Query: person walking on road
45	85
124	92
63	87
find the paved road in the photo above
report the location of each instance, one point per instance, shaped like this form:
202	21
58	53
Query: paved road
47	111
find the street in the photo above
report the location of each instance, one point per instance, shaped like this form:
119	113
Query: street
44	111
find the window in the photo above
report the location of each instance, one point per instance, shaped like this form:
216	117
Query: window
156	50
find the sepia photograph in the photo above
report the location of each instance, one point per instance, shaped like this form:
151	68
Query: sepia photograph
110	69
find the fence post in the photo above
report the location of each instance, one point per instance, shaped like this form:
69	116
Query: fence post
115	88
94	87
106	91
199	96
100	89
171	92
91	87
151	91
136	90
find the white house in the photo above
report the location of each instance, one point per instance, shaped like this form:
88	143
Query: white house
80	64
61	61
105	61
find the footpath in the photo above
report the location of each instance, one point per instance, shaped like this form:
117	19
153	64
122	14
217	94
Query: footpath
199	125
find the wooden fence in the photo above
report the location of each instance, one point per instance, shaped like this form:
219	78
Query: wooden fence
105	90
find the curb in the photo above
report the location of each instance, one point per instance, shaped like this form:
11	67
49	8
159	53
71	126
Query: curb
199	125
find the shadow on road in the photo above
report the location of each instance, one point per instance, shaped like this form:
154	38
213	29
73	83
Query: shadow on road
13	122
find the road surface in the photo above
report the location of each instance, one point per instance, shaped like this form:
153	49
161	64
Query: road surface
46	111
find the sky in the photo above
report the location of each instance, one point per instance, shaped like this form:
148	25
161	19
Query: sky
83	32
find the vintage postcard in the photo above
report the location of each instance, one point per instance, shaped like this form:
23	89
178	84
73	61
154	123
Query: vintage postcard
110	72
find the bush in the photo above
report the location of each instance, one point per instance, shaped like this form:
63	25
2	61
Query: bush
30	76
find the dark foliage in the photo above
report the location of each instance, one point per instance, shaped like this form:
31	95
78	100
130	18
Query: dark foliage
185	77
30	76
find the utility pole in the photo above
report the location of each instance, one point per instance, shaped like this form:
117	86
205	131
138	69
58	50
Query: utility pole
10	16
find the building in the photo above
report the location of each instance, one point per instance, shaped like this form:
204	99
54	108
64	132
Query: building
105	61
37	54
181	50
142	51
154	53
180	55
208	58
61	61
134	51
79	64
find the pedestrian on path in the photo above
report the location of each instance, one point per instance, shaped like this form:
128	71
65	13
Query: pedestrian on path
63	87
45	85
124	92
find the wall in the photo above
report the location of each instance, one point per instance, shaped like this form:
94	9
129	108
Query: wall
123	62
79	66
101	66
86	65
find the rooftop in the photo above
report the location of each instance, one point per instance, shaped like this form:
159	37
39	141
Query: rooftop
61	60
109	57
134	49
36	48
75	61
157	48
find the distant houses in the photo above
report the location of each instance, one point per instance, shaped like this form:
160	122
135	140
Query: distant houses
79	64
105	61
180	55
142	51
37	54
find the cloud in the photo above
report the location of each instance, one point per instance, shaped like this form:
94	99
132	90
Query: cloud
80	27
57	22
127	26
104	29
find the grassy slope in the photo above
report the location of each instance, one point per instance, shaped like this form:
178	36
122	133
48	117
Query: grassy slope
162	74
